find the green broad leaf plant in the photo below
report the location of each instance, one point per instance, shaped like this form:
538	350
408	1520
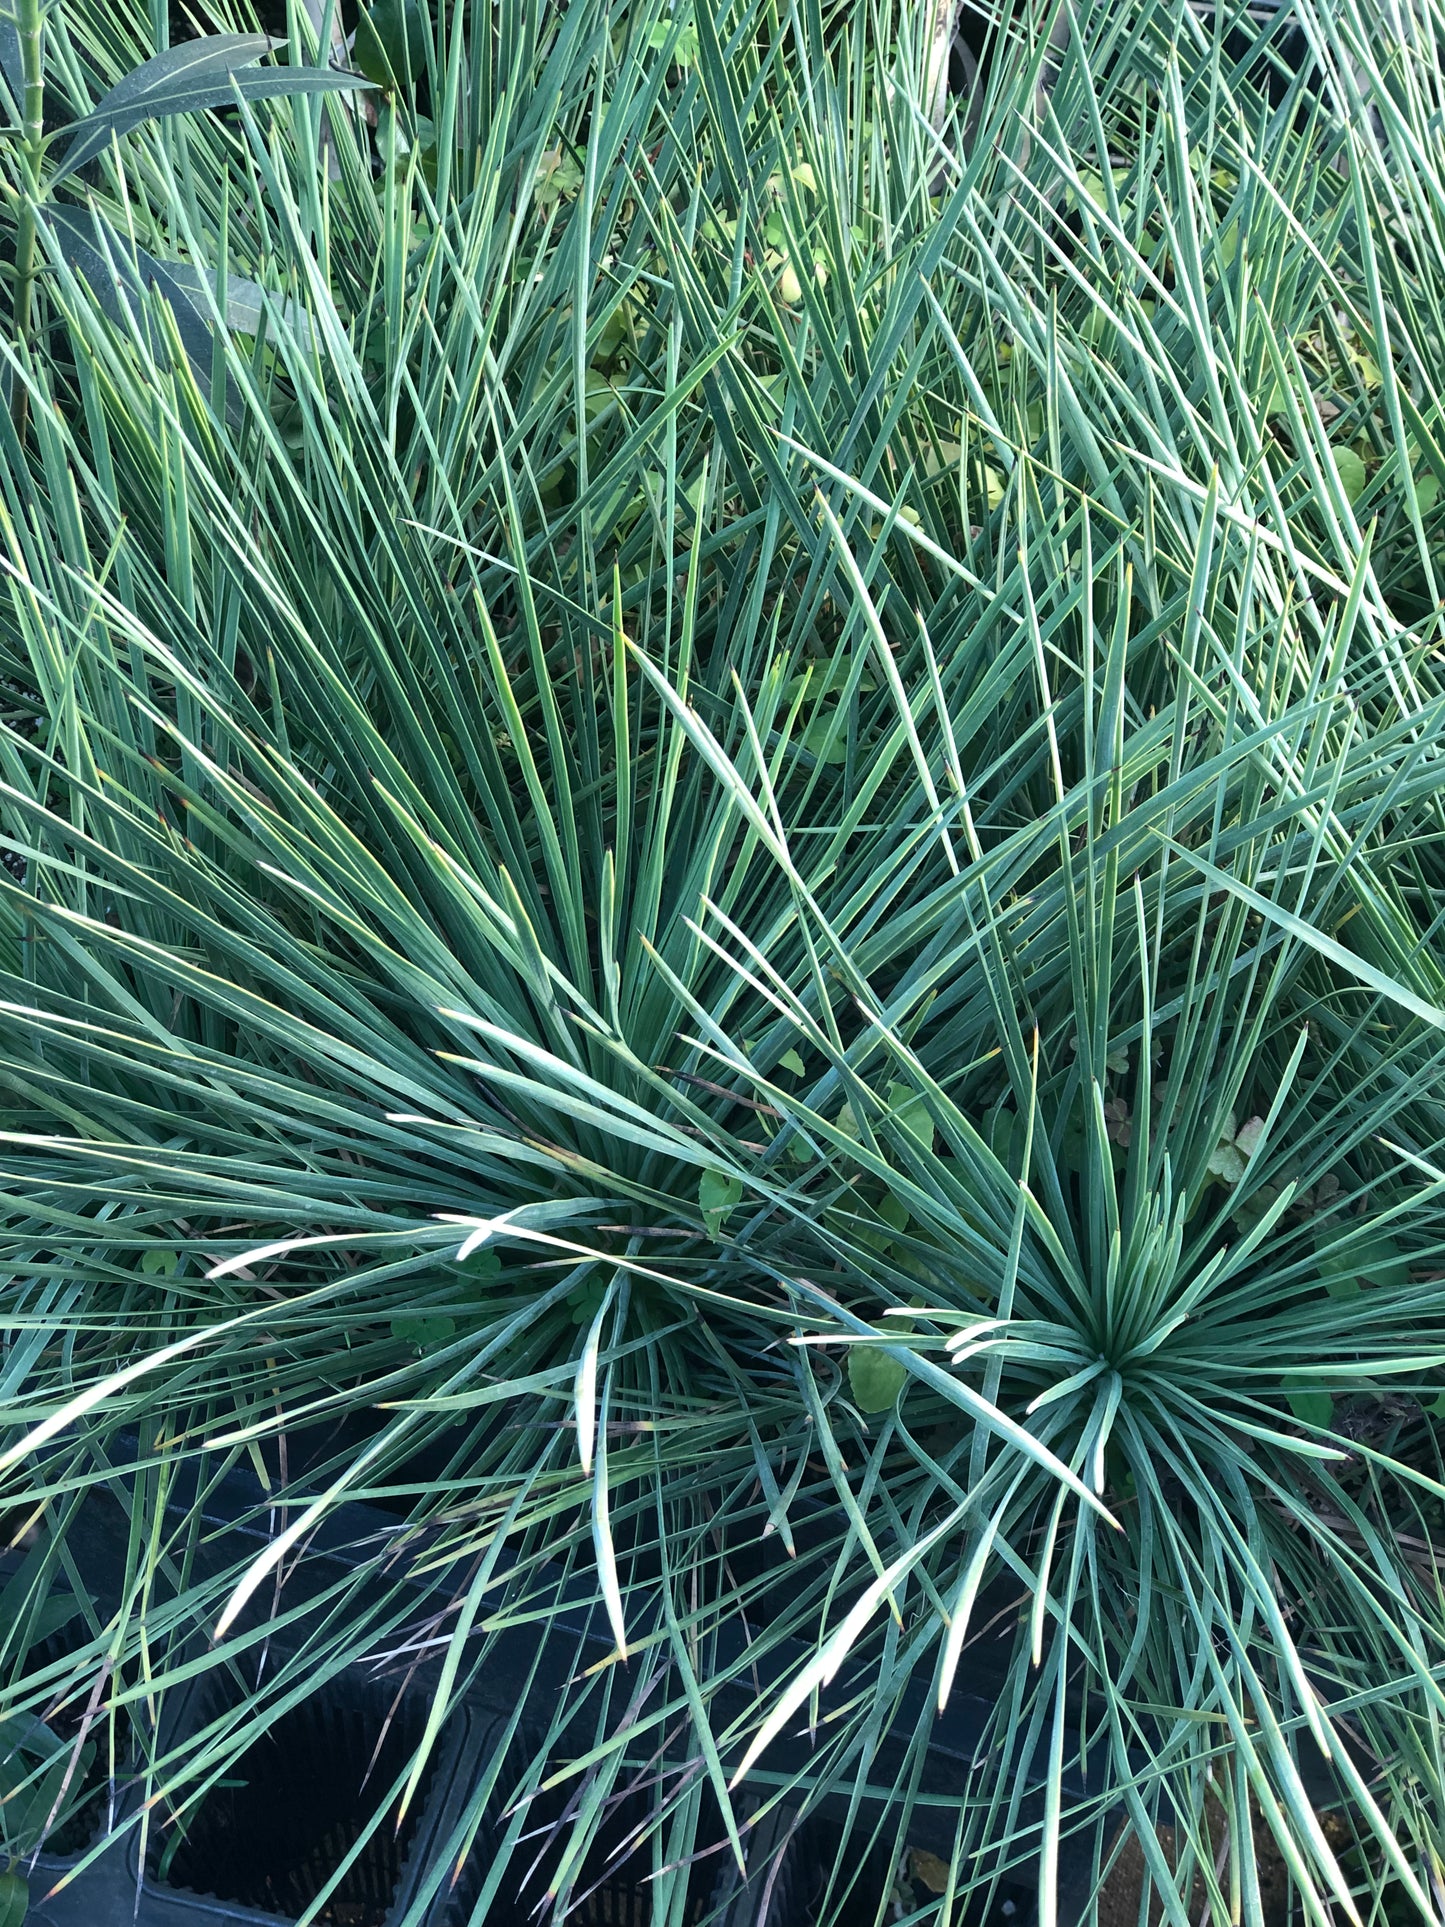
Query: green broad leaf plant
213	70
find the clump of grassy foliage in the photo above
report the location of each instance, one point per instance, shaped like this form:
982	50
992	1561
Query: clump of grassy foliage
721	839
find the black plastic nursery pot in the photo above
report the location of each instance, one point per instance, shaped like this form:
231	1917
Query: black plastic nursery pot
264	1842
790	1878
272	1835
613	1887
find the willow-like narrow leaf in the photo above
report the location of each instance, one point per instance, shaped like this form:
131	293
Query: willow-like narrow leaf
602	1531
584	1394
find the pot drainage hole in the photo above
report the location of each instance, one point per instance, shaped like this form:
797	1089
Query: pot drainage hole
271	1834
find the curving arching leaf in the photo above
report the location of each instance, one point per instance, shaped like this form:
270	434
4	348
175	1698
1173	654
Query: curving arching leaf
250	309
213	71
114	270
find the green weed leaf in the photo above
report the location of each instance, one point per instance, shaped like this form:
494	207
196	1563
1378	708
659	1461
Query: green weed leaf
893	1211
390	44
1372	1260
910	1113
14	1900
1226	1163
875	1378
684	51
1309	1404
426	1330
717	1194
1350	467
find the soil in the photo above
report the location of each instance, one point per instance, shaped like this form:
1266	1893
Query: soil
1122	1892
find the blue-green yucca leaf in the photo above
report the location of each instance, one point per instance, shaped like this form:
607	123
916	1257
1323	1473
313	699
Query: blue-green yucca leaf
212	71
321	741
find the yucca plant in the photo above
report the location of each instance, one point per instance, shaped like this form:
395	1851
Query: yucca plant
727	850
